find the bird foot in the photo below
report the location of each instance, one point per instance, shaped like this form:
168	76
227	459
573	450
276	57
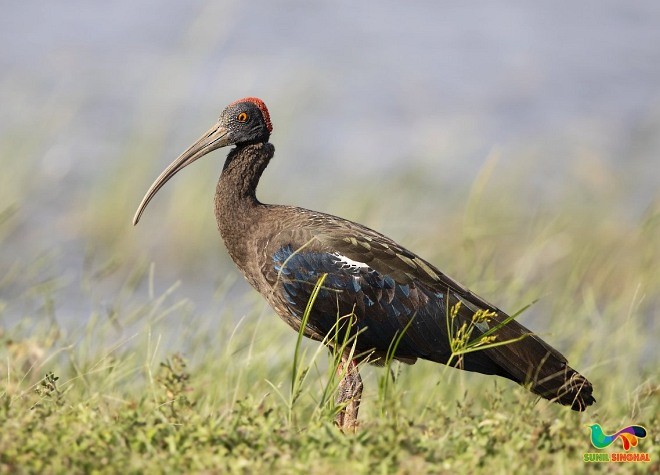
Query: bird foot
349	394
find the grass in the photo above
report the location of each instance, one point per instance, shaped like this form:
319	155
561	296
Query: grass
144	381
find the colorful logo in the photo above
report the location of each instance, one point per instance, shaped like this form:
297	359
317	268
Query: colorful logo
629	437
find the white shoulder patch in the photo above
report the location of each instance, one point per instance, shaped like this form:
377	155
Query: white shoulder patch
349	263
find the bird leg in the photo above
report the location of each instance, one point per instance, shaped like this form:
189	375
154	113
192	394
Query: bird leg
349	393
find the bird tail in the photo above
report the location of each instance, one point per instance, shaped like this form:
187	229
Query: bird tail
529	361
536	365
562	384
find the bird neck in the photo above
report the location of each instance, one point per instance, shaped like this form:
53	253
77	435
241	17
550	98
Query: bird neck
237	209
241	173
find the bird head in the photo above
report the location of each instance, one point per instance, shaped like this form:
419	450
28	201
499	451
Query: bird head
243	122
595	428
246	121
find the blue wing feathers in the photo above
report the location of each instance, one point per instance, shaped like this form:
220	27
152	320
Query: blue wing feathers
383	308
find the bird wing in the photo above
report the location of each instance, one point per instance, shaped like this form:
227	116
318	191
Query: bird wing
390	291
382	302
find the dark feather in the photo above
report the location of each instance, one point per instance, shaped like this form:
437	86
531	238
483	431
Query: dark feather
391	286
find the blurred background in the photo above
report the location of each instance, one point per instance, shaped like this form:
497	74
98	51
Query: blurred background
513	144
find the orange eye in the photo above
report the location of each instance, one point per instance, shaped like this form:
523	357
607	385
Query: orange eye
242	117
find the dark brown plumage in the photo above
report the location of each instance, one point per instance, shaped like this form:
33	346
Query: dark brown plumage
283	251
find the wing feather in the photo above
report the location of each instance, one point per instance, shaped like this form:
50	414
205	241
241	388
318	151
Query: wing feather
384	286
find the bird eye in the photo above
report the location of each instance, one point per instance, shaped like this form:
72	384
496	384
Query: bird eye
242	117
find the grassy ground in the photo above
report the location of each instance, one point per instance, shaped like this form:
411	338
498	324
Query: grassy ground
111	393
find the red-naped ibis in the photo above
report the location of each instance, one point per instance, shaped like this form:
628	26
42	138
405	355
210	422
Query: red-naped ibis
389	293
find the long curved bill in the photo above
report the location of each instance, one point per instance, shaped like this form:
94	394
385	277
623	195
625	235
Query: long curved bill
216	137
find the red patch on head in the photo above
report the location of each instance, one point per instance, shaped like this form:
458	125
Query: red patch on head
262	107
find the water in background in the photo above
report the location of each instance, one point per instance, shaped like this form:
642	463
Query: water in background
97	97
